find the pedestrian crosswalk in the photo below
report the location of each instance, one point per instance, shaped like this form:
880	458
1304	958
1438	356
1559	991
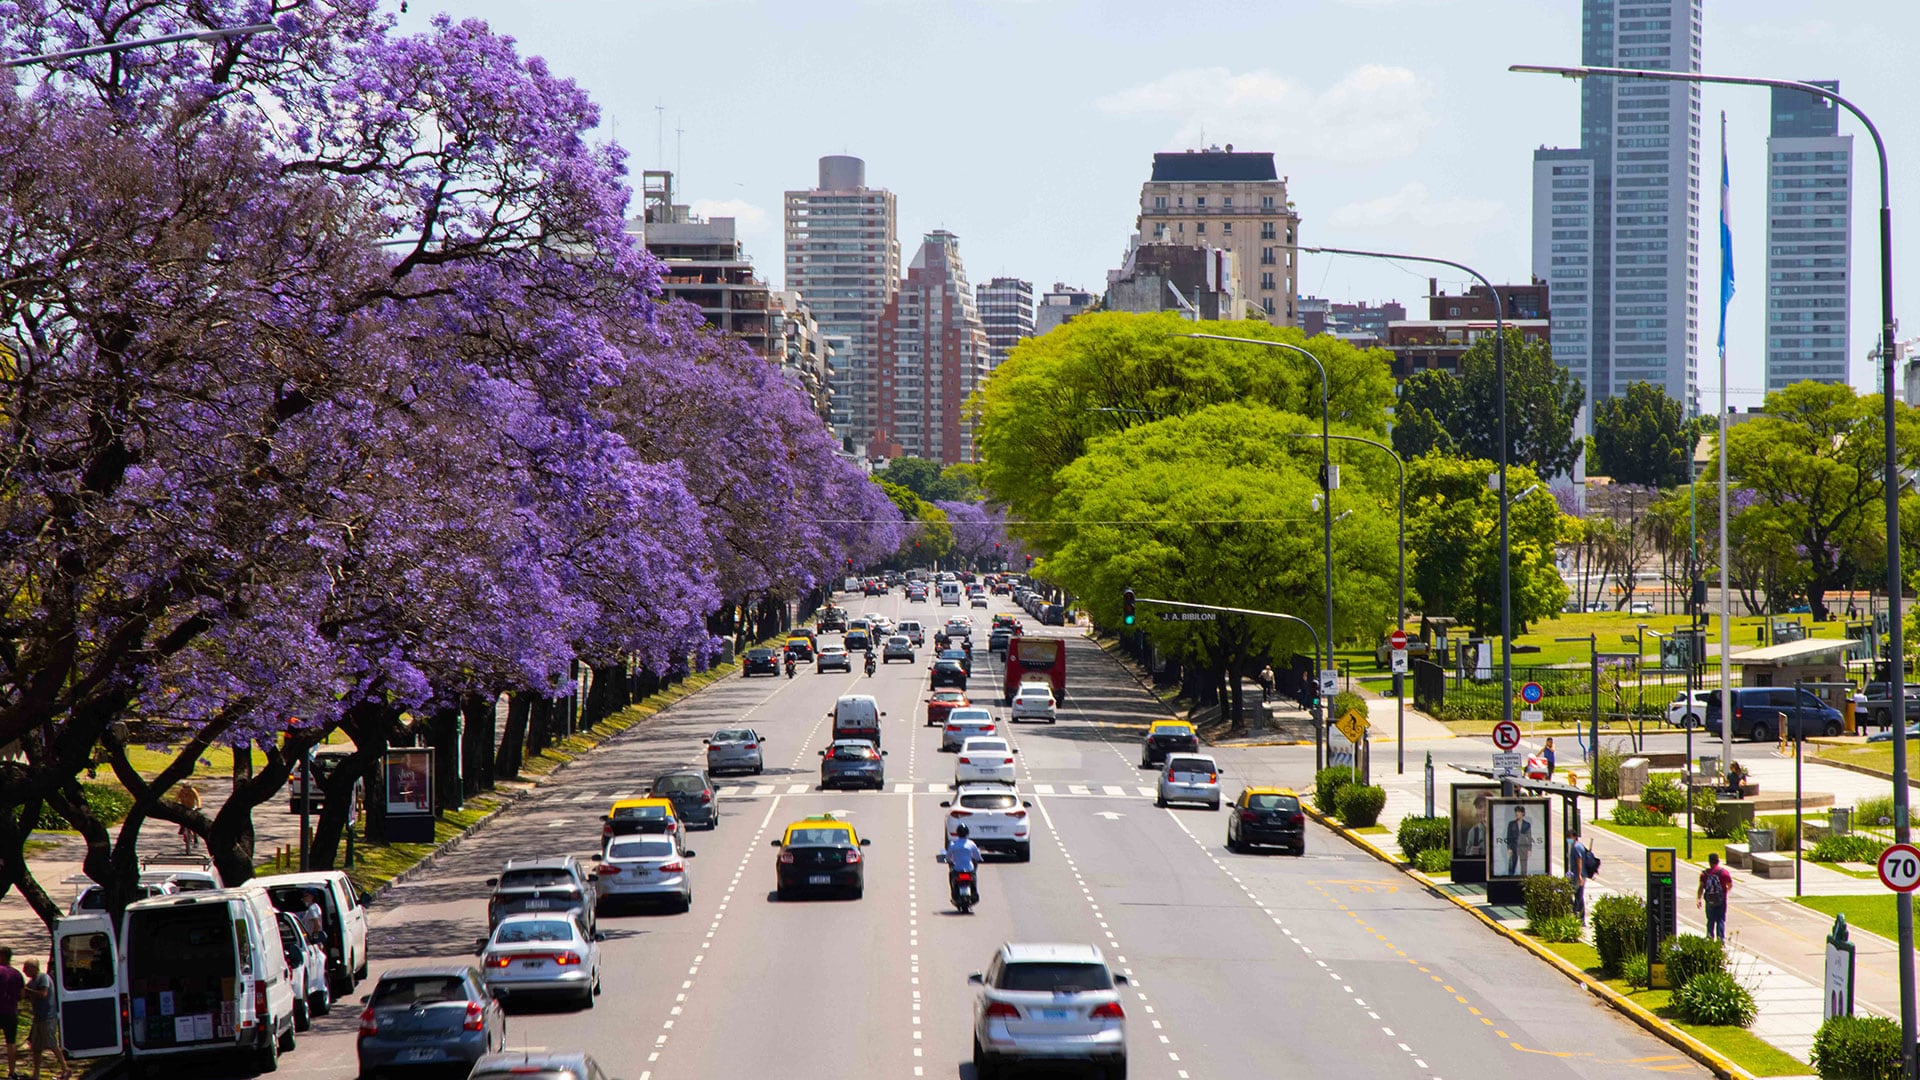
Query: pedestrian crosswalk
918	787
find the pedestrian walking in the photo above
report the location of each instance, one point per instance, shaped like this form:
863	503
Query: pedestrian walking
1547	752
1711	894
44	1036
12	986
189	800
1266	683
1582	864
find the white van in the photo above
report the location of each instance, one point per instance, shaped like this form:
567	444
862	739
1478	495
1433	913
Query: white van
857	716
950	594
343	912
191	974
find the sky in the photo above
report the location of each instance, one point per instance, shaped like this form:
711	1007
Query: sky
1026	127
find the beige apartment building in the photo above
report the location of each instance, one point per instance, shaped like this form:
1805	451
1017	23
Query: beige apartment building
1233	201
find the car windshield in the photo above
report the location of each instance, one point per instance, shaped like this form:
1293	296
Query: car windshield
1173	733
679	784
759	654
1055	978
832	650
987	746
988	801
405	991
642	847
854	753
555	900
1273	802
816	836
517	933
1189	764
740	735
535	878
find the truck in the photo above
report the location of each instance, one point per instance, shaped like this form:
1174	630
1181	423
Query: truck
1031	658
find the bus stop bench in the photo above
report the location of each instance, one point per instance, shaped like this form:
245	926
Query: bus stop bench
1772	864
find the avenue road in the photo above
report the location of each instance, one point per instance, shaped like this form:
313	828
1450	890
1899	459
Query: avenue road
1328	965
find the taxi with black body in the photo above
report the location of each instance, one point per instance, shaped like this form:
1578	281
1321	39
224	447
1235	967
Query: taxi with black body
820	854
1267	817
1168	736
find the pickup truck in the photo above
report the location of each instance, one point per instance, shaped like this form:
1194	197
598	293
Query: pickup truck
1875	705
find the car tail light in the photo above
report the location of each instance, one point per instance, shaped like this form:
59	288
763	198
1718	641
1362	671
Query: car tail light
672	867
1002	1010
1018	815
786	857
753	746
1213	778
1298	818
476	1017
706	796
966	761
960	813
1249	816
260	999
495	960
1006	761
369	1025
1109	1011
1169	775
609	870
565	959
853	855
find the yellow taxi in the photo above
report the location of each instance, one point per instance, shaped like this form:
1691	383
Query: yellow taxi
1267	816
1176	736
799	648
641	815
820	854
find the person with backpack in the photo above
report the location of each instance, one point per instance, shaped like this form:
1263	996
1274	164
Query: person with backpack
1582	865
1715	883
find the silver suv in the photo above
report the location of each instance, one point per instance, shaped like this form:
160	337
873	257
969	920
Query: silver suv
547	886
1048	1003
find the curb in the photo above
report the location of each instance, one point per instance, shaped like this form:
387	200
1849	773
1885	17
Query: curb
1654	1025
1861	769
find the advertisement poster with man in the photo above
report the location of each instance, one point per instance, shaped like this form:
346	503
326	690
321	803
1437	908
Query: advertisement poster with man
1518	839
1470	824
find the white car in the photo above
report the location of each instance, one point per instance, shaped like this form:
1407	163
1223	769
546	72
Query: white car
307	967
644	866
995	817
1682	714
978	598
964	724
984	759
1189	778
1034	701
1053	1003
542	953
959	628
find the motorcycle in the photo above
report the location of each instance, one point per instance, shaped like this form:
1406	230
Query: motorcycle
789	667
961	887
870	662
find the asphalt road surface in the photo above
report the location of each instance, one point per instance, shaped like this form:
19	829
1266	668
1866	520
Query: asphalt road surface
1329	965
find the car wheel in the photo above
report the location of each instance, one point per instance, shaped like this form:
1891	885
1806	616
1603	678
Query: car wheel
267	1058
686	903
285	1043
361	971
1832	729
586	998
859	891
984	1067
1117	1070
782	894
1233	843
302	1014
1160	801
1023	853
1760	733
321	1005
1215	807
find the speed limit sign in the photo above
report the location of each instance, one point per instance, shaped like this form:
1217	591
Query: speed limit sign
1900	867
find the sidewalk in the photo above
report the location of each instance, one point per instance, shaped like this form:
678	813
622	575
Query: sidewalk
1775	946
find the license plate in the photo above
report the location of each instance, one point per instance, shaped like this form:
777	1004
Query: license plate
820	879
986	830
533	964
1053	1014
425	1054
537	905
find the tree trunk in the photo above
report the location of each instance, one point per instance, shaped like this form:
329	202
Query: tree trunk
476	748
443	735
512	752
540	725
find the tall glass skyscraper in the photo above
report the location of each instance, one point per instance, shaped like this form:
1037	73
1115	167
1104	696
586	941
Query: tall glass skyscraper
1809	203
1616	222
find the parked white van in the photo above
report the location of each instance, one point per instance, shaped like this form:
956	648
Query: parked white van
343	914
191	974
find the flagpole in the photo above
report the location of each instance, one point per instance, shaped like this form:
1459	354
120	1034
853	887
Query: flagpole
1726	611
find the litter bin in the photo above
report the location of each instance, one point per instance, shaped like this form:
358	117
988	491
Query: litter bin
1846	715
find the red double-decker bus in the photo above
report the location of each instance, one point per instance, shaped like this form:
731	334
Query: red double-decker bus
1031	658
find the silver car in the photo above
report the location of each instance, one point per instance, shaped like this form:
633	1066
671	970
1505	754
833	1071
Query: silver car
833	656
1189	778
1048	1003
542	954
898	647
735	750
644	867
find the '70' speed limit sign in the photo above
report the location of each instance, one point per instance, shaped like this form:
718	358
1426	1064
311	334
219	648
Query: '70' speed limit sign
1900	867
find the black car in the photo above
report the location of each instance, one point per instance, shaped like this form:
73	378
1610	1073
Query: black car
958	656
691	793
997	641
760	661
948	673
820	857
1270	818
1163	738
857	641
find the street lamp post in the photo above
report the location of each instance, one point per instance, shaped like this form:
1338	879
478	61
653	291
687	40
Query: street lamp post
123	46
1326	505
1500	399
1400	607
1901	825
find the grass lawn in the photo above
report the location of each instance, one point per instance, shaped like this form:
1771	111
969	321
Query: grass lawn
1875	756
1673	836
1872	912
1738	1045
1378	830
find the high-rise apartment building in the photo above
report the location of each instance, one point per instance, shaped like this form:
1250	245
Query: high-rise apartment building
705	266
1616	223
1809	219
932	356
1235	201
843	255
1006	311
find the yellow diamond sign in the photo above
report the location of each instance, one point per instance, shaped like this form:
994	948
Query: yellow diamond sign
1353	726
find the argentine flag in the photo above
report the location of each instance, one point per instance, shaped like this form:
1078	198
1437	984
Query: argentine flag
1726	240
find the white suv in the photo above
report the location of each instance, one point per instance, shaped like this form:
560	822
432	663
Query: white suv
1190	778
1685	713
984	759
995	817
1034	701
1048	1003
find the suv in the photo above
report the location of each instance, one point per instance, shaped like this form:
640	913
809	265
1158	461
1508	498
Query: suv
1762	713
558	883
1168	736
1267	815
1876	704
833	620
995	817
1048	1003
690	791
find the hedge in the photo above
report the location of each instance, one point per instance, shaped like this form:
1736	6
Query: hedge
1548	896
1418	834
1689	956
1619	931
1360	805
1327	784
1857	1048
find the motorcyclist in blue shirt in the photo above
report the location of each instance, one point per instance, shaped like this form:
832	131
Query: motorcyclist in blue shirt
963	856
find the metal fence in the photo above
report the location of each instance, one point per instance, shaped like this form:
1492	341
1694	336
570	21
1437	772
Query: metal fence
1627	693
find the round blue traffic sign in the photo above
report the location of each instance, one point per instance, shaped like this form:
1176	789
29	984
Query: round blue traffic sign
1531	693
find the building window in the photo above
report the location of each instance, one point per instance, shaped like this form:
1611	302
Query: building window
1200	201
1267	304
1226	227
1266	230
1266	282
1200	229
1266	257
1453	311
1266	202
1227	201
1159	202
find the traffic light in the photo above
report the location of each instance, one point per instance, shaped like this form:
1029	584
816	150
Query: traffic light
1126	605
1029	561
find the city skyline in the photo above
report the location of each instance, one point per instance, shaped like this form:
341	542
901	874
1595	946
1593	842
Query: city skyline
1396	146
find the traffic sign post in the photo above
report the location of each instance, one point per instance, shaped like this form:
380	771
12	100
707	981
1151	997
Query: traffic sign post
1900	868
1531	693
1329	682
1397	639
1506	735
1663	911
1399	661
1531	716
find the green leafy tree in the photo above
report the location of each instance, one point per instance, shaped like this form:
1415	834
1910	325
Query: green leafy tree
931	482
1641	437
1429	401
1216	507
1453	543
931	537
1106	372
1813	461
1543	402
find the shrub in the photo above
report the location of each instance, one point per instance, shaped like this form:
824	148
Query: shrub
1434	861
1854	847
1715	997
1874	813
1858	1048
1326	786
1559	928
1636	972
1782	827
1619	931
1638	815
1418	834
1663	795
1347	700
1690	956
1360	805
1547	896
108	803
1606	772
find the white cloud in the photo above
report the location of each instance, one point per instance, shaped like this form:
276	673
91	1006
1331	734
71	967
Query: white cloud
1373	113
746	215
1414	204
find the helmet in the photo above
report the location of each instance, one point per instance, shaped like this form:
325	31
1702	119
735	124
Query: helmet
960	831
